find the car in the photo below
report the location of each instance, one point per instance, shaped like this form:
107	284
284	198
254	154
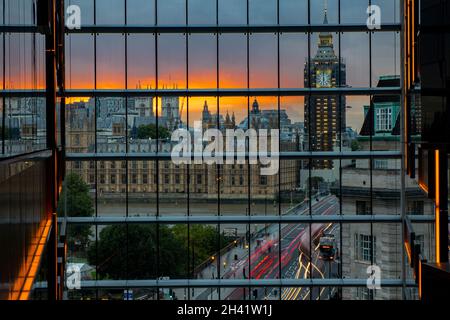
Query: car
327	247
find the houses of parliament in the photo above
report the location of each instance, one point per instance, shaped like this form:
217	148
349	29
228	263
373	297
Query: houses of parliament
107	134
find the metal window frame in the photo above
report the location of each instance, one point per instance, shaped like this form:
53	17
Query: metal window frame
278	92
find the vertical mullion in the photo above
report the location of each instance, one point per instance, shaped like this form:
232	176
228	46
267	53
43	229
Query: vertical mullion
187	87
95	147
157	147
372	132
248	163
341	109
4	83
218	113
125	101
280	170
310	164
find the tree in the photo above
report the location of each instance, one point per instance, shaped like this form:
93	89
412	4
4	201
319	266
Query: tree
130	252
203	241
75	201
355	145
149	131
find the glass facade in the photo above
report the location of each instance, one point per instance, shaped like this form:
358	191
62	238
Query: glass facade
306	78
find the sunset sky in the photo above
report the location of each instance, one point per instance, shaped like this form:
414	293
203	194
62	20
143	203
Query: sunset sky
201	64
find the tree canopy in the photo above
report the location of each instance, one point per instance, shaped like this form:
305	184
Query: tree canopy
149	131
130	252
75	201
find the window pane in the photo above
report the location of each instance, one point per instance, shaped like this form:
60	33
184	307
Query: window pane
171	12
104	14
110	61
202	61
232	61
355	54
293	12
232	12
354	11
202	12
80	122
80	70
171	61
263	61
141	12
293	57
263	12
141	61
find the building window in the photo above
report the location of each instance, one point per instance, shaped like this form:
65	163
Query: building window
102	179
177	179
365	246
362	207
199	179
263	180
380	164
365	294
124	178
384	119
134	178
113	179
416	207
145	178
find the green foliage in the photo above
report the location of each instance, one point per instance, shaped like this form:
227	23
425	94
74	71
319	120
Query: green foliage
75	201
355	145
149	131
113	253
203	241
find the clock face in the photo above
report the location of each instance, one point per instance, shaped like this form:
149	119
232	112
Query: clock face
323	79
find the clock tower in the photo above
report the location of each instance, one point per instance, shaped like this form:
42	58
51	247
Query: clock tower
324	114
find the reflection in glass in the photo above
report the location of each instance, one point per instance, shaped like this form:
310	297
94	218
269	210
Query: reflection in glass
171	61
141	61
232	61
202	61
263	61
110	61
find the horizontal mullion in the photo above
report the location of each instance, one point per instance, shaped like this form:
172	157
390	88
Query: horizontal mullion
282	155
34	155
22	93
236	283
231	28
245	219
207	92
233	92
18	28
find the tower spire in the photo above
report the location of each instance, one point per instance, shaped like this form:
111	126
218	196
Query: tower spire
325	11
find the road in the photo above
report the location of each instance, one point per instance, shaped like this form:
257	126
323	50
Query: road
264	260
